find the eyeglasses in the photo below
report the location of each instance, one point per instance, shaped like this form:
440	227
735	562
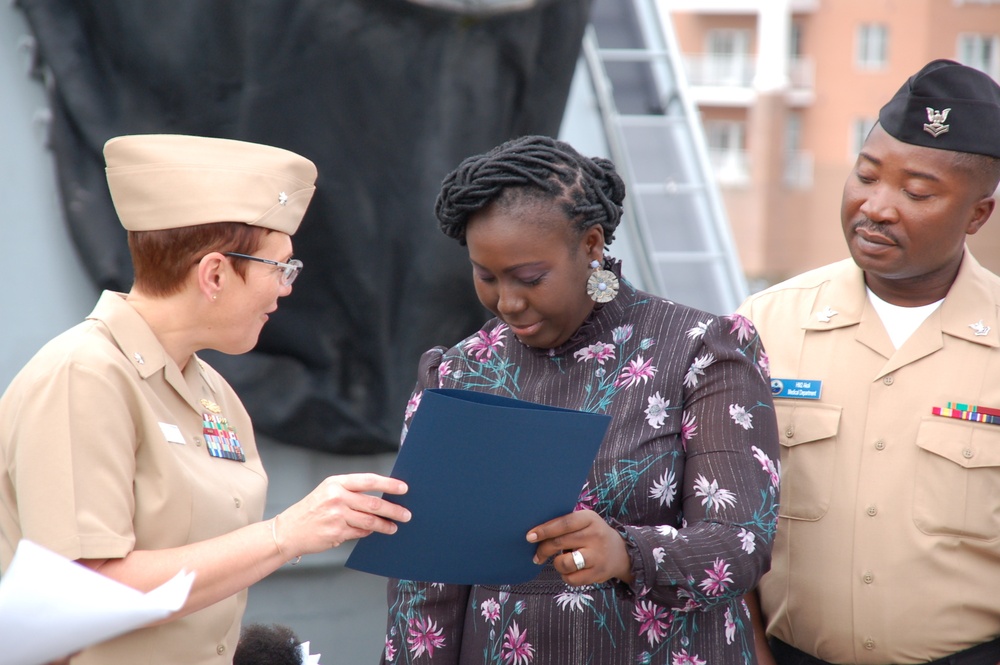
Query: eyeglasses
289	271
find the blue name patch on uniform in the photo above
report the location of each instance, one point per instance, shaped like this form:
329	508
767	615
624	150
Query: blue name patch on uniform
796	388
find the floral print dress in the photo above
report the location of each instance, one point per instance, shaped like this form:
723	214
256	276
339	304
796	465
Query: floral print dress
686	473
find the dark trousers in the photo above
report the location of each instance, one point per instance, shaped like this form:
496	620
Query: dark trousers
987	653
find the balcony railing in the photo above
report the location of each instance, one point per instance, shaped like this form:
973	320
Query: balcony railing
718	70
732	168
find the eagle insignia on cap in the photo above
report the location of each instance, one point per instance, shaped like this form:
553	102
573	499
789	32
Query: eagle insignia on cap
936	127
283	198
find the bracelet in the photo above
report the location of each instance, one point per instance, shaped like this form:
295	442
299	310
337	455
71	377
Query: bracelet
274	537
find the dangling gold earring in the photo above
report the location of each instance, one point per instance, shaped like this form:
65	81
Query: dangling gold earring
602	285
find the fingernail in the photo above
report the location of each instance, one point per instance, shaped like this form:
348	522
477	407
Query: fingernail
535	560
407	516
532	537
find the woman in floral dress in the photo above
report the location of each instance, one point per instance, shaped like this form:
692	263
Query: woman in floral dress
677	518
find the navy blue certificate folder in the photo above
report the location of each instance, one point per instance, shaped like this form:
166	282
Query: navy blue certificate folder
482	471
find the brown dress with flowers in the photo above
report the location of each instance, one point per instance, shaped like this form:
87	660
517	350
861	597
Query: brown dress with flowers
685	474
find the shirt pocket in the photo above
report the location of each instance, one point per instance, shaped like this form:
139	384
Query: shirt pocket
808	437
957	479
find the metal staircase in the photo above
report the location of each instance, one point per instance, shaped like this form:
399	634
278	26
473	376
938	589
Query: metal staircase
675	236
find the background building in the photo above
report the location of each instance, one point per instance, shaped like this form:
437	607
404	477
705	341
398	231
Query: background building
787	91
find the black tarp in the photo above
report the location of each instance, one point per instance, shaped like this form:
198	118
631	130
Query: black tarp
384	95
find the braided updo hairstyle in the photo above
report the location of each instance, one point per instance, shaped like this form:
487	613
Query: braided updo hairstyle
539	167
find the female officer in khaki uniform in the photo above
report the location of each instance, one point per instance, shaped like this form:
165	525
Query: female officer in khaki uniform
120	448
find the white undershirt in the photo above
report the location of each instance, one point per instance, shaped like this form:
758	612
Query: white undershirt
900	322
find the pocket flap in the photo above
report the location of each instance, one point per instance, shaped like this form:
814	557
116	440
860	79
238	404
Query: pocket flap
804	423
968	444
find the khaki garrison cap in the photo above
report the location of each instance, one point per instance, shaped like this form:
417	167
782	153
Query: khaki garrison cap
167	181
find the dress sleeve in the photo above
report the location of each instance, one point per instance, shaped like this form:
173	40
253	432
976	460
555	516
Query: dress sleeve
730	482
425	621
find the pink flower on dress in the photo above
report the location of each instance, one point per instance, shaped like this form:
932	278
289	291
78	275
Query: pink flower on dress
587	500
653	620
516	648
444	369
764	364
622	334
742	326
491	610
424	636
689	427
730	626
600	352
637	371
683	658
483	344
390	649
718	578
412	405
767	464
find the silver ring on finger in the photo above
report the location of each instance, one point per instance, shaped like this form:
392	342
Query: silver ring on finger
578	560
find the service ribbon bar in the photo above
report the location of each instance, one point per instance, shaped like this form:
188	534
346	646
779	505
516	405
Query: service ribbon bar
978	414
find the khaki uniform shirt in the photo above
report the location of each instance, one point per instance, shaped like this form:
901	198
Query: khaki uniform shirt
102	451
888	542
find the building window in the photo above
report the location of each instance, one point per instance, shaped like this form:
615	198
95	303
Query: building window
872	46
725	140
727	58
798	162
795	40
859	132
981	52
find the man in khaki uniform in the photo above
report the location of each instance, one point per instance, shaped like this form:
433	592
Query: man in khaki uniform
886	373
123	450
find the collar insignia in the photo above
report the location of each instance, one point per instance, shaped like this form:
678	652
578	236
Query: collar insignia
935	125
979	329
826	314
138	358
283	198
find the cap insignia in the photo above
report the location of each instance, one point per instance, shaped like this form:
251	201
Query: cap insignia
979	329
283	198
936	127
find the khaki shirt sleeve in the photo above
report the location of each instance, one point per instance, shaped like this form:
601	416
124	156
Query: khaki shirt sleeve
74	460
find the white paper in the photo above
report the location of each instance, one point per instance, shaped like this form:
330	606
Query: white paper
51	607
308	658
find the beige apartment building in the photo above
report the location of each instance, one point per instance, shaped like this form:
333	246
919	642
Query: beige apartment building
787	91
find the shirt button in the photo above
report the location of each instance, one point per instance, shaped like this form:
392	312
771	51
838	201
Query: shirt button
868	578
789	431
197	441
967	453
237	501
869	644
221	649
872	511
880	445
888	380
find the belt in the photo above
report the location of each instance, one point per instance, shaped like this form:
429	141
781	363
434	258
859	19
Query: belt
987	653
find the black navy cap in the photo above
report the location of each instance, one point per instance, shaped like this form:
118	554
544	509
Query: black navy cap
949	106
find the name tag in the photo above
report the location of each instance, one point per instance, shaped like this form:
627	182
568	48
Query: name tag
796	388
172	432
